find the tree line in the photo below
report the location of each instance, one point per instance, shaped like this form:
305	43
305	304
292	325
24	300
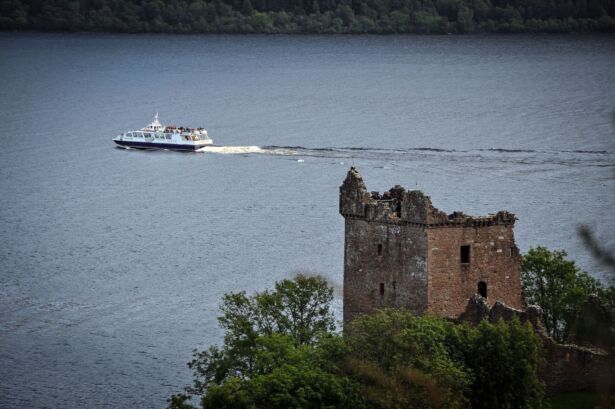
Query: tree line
309	16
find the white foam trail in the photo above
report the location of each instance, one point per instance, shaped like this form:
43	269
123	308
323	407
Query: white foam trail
233	150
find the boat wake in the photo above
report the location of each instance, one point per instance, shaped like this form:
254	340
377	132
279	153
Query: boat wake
233	150
523	156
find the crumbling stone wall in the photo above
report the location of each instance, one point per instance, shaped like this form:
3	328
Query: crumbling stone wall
478	309
400	251
494	260
574	368
384	259
566	368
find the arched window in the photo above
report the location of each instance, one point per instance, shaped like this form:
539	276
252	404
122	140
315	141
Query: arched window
482	289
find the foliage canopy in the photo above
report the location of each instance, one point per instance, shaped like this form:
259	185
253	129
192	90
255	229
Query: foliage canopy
281	350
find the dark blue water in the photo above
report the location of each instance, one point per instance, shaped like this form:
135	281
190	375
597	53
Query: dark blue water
113	262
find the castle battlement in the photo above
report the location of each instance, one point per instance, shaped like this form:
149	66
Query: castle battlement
399	206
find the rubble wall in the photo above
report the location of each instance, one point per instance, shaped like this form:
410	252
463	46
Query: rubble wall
566	368
570	368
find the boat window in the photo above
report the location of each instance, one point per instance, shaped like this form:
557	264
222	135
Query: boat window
129	134
168	136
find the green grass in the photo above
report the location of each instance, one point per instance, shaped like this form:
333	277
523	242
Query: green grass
577	400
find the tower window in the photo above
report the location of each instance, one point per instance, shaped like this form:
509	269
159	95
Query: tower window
465	254
394	286
380	249
482	289
381	289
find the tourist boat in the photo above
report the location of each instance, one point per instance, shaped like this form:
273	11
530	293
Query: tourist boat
157	136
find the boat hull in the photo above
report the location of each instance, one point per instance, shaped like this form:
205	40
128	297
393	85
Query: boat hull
157	145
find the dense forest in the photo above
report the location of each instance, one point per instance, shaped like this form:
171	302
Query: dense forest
309	16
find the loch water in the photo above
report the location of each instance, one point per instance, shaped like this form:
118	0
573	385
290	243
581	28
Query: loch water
113	262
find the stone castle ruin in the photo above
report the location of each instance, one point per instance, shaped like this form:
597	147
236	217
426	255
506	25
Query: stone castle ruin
401	252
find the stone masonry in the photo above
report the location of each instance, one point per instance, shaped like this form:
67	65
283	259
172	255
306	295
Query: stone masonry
400	251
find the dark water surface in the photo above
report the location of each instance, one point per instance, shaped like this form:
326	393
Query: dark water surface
113	262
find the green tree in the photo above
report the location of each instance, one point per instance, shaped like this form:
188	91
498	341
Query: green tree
405	361
426	22
400	21
299	309
465	20
345	13
504	360
261	22
285	376
558	286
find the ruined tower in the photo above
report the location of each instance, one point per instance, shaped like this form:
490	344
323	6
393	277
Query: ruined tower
400	251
